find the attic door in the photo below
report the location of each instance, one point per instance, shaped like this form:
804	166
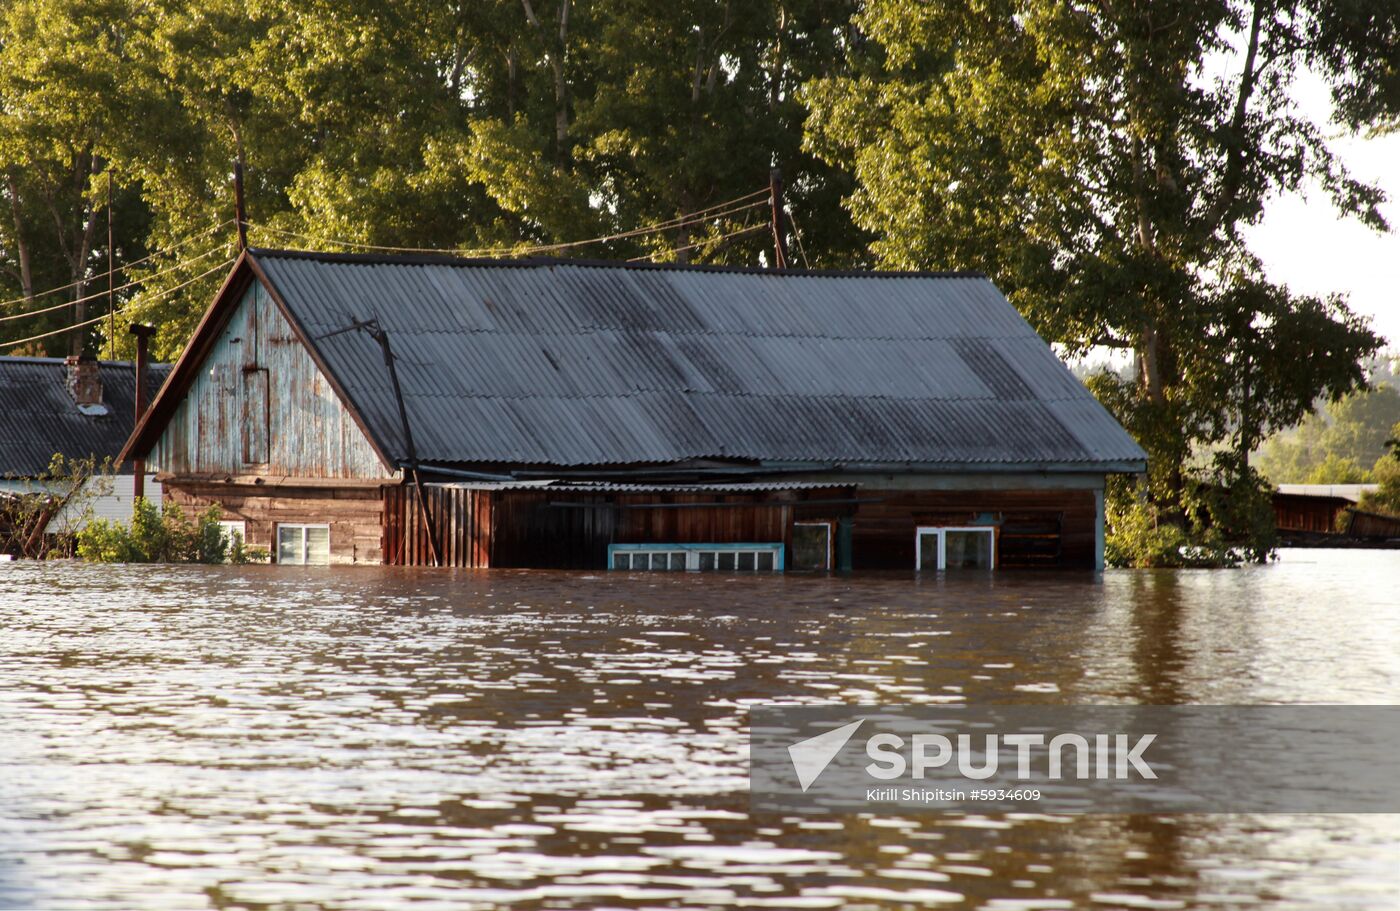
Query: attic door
255	415
253	392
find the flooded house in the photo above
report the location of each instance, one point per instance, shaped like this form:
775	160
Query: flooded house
549	413
79	408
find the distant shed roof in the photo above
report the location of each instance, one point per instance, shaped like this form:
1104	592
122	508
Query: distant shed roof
573	363
39	418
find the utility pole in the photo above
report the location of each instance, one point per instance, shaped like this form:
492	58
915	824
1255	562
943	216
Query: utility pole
111	300
240	211
775	191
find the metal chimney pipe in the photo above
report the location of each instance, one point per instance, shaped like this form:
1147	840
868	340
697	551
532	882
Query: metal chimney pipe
138	466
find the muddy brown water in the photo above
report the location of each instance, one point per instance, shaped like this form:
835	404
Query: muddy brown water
286	738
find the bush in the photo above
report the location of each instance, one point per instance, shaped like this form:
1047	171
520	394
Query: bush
1228	519
163	536
1134	537
1386	501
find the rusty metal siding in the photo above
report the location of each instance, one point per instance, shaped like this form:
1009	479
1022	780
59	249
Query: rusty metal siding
310	433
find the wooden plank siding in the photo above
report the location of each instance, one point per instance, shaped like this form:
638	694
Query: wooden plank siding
570	530
259	396
1051	528
355	514
1304	512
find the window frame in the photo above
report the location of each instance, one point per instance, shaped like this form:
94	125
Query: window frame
303	527
232	526
691	554
941	531
830	542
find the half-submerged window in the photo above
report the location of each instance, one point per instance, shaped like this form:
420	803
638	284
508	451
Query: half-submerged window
971	547
811	546
304	545
728	558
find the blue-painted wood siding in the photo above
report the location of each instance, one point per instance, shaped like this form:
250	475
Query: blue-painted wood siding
310	432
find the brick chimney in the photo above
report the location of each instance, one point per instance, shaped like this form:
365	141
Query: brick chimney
83	382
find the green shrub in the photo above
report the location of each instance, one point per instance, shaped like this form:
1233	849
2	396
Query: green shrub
164	536
1135	538
1228	518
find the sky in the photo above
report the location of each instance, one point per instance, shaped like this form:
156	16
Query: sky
1307	246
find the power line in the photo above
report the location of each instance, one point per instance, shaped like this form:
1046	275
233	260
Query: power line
131	284
651	257
797	232
719	210
97	319
125	266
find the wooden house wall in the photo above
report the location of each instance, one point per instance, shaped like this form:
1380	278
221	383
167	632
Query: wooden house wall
1052	528
355	514
460	520
528	528
260	406
1300	512
1373	525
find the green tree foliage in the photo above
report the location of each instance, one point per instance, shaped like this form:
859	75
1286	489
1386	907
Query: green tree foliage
1341	440
1092	160
469	124
1099	162
1386	473
163	536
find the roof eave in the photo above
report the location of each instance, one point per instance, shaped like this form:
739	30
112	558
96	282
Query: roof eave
177	381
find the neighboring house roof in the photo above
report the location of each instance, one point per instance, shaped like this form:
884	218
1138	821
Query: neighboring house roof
40	418
575	363
1349	492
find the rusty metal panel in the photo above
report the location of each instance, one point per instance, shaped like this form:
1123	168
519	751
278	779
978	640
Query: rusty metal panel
307	431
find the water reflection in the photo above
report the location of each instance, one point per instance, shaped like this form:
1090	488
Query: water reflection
286	738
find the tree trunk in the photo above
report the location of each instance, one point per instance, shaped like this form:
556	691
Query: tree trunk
78	263
556	55
22	250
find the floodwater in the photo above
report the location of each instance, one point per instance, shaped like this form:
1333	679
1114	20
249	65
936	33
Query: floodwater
274	737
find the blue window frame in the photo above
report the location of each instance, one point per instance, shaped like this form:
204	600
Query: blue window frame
739	558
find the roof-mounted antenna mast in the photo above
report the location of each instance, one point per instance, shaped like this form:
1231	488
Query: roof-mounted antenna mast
377	332
775	189
240	211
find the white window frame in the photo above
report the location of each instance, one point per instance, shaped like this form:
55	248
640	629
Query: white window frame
830	540
941	531
233	527
302	527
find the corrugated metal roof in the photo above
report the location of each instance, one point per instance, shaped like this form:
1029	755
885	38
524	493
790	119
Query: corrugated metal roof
570	363
1351	492
558	486
40	418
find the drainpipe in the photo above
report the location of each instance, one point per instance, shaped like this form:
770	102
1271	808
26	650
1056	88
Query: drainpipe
138	466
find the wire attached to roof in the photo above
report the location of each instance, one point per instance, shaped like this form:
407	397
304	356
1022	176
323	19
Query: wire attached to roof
651	257
718	210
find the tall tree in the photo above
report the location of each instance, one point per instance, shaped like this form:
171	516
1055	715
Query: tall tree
1100	160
